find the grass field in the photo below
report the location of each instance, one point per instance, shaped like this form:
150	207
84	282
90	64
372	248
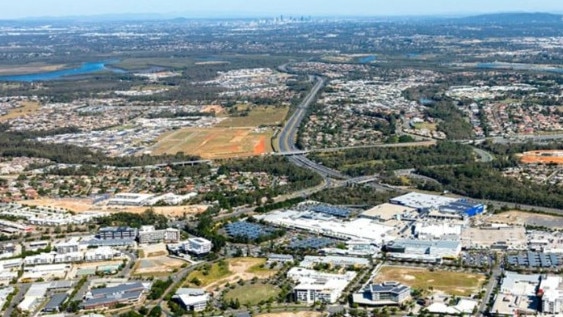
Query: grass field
26	108
452	283
252	294
426	125
258	116
215	273
29	68
216	143
251	266
144	63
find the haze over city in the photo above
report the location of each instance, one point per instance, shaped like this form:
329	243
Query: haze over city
229	8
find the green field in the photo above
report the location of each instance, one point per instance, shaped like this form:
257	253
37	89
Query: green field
252	293
257	116
216	272
426	125
452	283
144	63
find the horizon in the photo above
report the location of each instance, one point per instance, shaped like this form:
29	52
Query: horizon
54	9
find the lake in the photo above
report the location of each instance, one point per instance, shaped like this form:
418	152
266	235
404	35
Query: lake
86	68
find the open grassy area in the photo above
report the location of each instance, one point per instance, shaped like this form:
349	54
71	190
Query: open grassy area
145	63
253	266
252	293
426	125
30	68
452	283
27	108
257	116
215	272
216	143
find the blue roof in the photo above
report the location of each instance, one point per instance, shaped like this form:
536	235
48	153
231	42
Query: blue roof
310	243
330	210
534	259
55	302
247	230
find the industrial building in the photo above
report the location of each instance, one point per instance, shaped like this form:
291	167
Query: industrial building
310	243
425	230
421	201
424	250
55	302
446	206
517	295
387	293
111	296
355	229
192	299
331	211
534	260
386	212
551	295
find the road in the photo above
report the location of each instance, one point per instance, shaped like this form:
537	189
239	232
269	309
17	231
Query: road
493	280
285	142
22	289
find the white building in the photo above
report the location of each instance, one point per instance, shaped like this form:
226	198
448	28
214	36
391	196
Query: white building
192	299
148	234
130	199
198	246
67	247
316	286
552	299
312	290
42	258
100	254
69	257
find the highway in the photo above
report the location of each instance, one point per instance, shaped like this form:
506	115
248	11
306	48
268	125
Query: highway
285	142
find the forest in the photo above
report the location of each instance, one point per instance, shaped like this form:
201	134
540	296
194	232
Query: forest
483	181
367	161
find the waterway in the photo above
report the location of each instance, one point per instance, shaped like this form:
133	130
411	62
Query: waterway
85	68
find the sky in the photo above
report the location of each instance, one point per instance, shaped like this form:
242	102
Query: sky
15	9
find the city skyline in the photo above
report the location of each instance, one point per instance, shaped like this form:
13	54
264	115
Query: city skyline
253	8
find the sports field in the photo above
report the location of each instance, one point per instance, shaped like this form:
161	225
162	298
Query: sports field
216	143
451	283
545	157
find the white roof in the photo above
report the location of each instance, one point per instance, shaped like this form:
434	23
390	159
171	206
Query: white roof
419	200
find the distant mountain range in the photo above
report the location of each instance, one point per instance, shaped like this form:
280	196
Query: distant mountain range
513	18
500	18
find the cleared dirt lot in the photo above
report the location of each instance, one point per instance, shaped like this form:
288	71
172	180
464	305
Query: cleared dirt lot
83	205
545	157
157	266
520	218
216	143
